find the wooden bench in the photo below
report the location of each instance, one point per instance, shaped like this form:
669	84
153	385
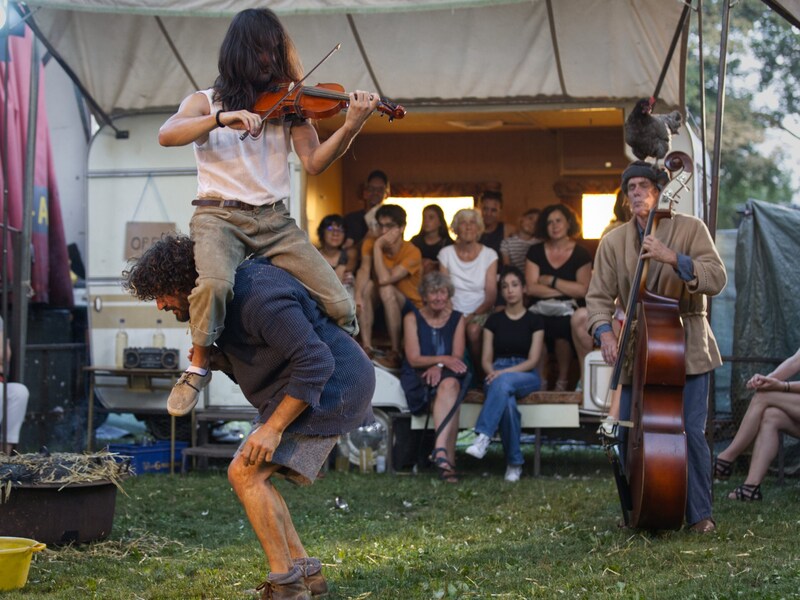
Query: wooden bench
538	411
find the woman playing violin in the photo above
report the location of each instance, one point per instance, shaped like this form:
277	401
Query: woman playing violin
684	264
243	184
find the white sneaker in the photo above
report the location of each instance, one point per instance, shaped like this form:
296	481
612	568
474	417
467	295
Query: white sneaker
513	473
479	446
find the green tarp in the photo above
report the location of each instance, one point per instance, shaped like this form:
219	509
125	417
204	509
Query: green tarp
767	322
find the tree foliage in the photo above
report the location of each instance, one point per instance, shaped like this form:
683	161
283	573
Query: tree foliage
763	54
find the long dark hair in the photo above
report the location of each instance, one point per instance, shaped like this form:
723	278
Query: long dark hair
256	51
444	231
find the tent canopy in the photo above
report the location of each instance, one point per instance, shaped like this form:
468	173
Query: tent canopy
429	55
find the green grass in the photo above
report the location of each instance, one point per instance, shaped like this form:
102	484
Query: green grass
411	536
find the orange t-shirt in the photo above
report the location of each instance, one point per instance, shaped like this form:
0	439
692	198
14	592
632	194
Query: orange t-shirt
410	258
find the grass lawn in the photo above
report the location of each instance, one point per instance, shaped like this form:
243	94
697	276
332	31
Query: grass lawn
411	536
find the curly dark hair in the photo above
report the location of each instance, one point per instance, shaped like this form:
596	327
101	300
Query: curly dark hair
574	222
165	268
326	222
255	52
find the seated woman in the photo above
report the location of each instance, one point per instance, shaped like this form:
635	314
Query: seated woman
332	234
775	408
558	273
432	237
512	346
433	369
473	270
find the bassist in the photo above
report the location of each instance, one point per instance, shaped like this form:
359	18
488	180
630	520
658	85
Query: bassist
684	264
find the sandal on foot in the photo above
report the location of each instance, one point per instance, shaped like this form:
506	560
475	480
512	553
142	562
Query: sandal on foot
447	471
747	493
722	469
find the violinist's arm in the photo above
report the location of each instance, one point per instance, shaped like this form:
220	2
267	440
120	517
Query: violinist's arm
194	120
317	156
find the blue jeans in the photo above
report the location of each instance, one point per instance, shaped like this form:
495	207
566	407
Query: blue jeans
500	406
695	411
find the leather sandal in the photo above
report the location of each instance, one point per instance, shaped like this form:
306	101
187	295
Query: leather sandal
722	469
747	493
447	470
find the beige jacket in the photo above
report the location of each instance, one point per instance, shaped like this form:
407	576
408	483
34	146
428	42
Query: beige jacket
615	266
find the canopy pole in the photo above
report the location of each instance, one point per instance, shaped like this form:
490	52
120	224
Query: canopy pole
120	134
671	51
22	272
701	59
715	166
5	231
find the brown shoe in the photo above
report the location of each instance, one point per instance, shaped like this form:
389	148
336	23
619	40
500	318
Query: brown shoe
704	526
287	591
314	580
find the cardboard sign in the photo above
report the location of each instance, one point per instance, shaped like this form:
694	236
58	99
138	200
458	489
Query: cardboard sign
140	235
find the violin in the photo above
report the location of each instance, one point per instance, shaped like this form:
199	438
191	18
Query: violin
320	101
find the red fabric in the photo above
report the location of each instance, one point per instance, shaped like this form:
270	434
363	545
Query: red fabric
50	278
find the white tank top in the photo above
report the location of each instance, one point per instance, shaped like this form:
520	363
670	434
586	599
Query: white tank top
253	170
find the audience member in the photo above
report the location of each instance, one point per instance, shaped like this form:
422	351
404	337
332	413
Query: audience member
774	409
512	346
432	237
434	369
360	222
331	233
17	395
473	270
514	249
558	273
495	230
390	273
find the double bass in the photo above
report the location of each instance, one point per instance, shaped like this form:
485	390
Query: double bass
652	473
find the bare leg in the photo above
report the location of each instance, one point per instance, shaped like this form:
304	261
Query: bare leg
580	336
563	358
201	356
475	340
751	422
446	396
393	302
774	422
265	510
366	315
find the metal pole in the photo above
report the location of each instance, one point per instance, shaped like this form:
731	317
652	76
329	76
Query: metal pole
5	230
723	62
22	274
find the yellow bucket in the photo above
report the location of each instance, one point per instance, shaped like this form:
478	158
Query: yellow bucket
15	561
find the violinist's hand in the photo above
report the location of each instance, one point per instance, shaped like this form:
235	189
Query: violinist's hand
608	347
655	249
362	105
243	120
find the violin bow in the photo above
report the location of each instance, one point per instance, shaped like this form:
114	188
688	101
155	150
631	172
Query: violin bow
293	85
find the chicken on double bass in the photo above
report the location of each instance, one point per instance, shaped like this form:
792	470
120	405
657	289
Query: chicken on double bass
683	265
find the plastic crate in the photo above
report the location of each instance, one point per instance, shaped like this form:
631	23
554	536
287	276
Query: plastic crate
150	458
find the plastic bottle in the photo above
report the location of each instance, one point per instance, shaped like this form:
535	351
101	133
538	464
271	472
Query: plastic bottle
159	340
121	344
